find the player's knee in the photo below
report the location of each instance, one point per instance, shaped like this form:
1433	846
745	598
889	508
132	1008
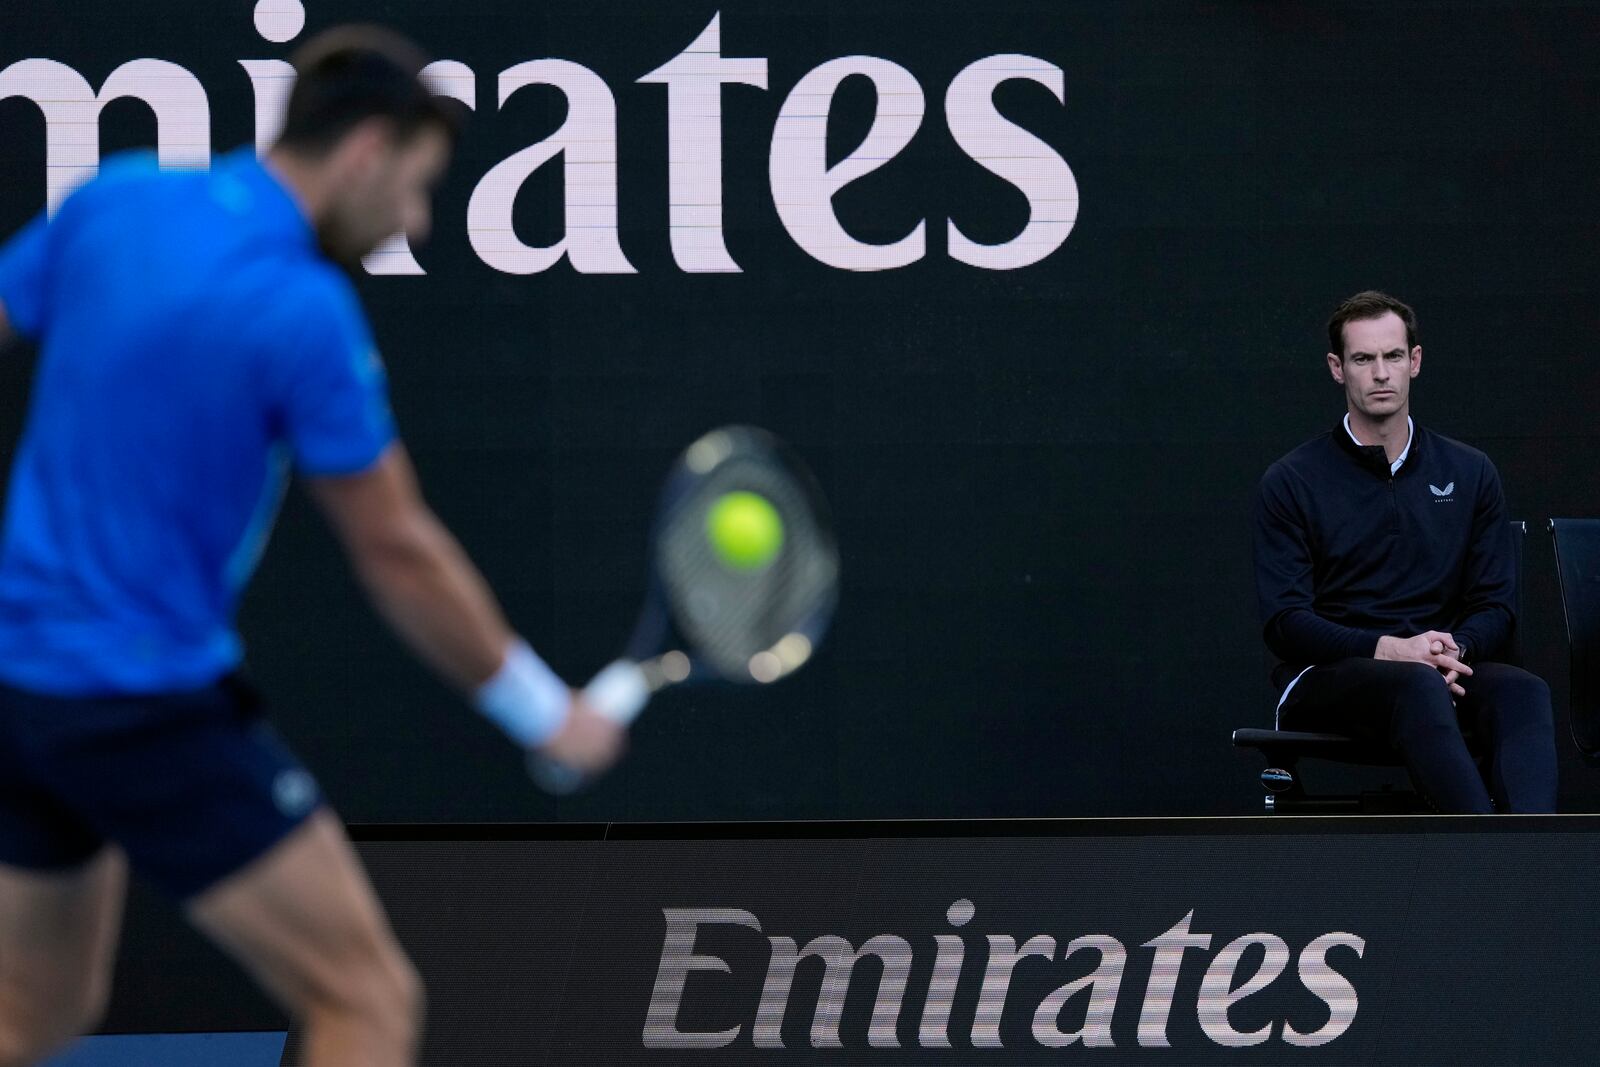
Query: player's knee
1533	693
408	996
396	1007
1422	704
1523	700
1538	709
383	995
1421	686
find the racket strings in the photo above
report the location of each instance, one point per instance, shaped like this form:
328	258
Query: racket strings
735	617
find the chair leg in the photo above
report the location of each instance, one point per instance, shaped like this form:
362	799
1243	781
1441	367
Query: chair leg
1283	786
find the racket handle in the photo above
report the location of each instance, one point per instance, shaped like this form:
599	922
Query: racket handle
619	692
554	777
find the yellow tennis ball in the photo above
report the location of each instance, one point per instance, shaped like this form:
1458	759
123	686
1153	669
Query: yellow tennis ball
745	530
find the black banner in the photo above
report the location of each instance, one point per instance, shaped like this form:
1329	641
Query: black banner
1377	942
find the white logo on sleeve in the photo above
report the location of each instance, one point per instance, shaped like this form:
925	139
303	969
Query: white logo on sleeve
1442	494
294	792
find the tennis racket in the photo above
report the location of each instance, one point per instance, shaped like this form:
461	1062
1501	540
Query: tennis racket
706	617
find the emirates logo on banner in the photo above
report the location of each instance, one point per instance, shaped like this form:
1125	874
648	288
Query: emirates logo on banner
1241	968
801	181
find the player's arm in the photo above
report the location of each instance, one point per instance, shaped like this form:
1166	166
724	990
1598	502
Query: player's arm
1285	587
431	594
1489	577
1434	648
407	559
1487	592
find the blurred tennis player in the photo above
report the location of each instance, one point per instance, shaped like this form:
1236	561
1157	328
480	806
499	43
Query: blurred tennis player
195	342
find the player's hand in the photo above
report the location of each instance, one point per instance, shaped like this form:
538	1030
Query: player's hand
1443	643
1436	649
588	741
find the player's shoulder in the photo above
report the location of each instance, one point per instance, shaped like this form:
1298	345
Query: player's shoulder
313	308
318	290
1449	446
1300	464
133	166
1456	459
130	192
120	177
126	169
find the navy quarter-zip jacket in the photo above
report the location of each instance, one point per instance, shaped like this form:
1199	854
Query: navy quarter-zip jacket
1345	552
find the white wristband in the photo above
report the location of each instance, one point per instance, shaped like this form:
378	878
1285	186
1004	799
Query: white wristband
525	698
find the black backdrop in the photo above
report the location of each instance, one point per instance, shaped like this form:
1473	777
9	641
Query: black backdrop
1041	477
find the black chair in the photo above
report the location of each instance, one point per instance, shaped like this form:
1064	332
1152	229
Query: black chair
1284	749
1577	543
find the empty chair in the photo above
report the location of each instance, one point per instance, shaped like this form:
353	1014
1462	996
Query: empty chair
1577	543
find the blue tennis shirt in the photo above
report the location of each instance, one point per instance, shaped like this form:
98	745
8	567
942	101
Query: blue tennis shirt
194	345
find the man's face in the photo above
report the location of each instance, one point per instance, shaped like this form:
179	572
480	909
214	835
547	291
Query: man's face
1376	367
386	189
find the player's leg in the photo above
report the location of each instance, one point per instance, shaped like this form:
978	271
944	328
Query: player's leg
1406	705
58	935
212	809
61	892
1512	709
303	919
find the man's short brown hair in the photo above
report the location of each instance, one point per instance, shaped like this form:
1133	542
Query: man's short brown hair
1369	304
349	74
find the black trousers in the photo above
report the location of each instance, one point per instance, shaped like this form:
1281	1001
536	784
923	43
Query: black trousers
1408	706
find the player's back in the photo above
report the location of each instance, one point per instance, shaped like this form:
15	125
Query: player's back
173	311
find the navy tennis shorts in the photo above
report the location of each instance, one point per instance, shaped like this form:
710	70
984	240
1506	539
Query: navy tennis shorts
192	785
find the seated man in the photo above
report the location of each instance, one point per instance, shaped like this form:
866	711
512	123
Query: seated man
1386	580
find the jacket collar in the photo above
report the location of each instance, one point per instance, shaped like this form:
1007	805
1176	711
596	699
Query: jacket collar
1373	457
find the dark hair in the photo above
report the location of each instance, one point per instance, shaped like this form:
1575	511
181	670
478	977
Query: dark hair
1369	304
349	74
